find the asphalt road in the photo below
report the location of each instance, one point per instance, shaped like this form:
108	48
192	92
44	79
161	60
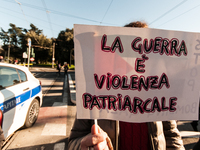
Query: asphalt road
56	116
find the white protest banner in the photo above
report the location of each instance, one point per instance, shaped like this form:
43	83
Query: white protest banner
136	74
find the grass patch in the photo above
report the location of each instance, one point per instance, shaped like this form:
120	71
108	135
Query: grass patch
44	65
72	67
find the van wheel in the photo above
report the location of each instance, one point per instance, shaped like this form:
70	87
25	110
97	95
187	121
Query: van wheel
32	114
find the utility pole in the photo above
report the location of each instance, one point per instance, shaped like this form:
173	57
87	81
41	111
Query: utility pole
29	50
70	58
53	56
9	50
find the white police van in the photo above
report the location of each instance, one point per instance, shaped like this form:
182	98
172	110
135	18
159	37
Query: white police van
20	97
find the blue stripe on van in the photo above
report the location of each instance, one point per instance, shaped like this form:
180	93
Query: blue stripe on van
35	91
13	102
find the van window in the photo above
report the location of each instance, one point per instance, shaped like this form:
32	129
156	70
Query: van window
8	77
22	76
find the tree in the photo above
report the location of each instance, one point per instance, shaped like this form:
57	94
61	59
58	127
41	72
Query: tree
42	46
5	39
13	38
17	37
35	29
65	46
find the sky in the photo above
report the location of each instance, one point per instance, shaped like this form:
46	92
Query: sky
53	16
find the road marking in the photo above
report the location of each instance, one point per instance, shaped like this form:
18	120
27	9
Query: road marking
59	146
72	89
54	129
71	83
45	87
54	94
65	93
54	120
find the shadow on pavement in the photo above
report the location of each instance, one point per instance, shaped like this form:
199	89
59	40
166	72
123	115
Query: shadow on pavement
62	144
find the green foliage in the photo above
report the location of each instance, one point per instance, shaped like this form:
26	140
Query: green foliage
72	67
65	47
17	39
42	46
49	65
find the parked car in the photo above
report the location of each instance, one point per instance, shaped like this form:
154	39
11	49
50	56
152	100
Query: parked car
20	97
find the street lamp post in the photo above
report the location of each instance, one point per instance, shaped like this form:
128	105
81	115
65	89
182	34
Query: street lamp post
29	49
53	55
9	50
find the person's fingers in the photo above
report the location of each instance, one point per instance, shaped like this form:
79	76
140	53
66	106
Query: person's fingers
93	129
97	139
109	143
101	146
106	148
91	140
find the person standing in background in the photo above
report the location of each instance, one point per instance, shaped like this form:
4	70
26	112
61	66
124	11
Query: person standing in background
66	68
59	68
